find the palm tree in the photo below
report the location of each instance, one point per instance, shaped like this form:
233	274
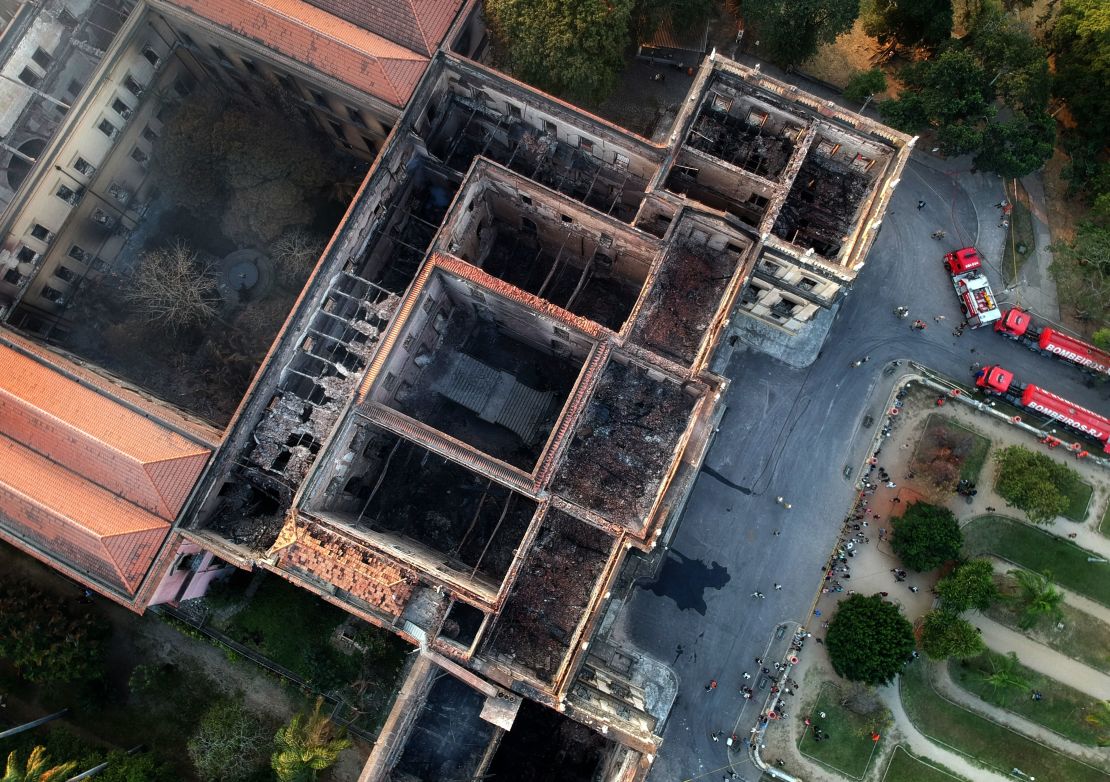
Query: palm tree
308	744
36	768
1005	678
1039	596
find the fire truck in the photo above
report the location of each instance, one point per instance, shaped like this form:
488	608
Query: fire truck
972	287
1000	382
1018	325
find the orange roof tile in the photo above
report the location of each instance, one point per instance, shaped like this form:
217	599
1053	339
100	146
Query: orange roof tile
419	25
363	59
76	521
96	437
344	563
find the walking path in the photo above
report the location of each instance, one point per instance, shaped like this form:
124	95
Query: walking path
920	745
944	685
1074	599
1042	659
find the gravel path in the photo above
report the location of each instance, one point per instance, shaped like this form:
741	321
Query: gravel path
920	745
1042	659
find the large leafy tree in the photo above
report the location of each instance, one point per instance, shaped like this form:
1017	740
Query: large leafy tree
864	85
309	744
1082	271
926	536
1034	482
229	744
908	22
1081	45
790	32
971	585
1039	597
46	639
1017	146
38	768
944	635
950	94
869	640
573	48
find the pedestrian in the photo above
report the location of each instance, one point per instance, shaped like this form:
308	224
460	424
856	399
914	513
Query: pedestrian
711	686
717	736
914	589
747	675
896	500
884	594
891	485
776	533
787	505
778	586
759	595
990	509
920	204
818	640
759	661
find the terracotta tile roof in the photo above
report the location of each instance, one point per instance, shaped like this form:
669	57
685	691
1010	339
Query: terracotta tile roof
359	57
419	25
345	563
92	476
76	521
93	435
70	366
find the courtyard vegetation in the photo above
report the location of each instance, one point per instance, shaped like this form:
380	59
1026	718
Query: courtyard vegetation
947	453
926	536
191	306
904	766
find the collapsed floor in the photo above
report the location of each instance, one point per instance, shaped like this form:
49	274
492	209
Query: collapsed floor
742	144
624	445
820	210
578	284
684	300
449	737
403	489
464	367
545	746
550	595
471	129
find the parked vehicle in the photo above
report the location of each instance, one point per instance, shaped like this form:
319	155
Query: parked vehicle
1019	325
972	287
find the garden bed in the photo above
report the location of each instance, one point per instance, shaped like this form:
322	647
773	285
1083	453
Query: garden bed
849	747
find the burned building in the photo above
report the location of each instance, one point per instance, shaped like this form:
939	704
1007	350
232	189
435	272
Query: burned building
494	393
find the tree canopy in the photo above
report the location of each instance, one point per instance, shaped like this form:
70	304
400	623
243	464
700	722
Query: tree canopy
229	743
1039	597
971	585
38	768
944	635
1081	268
926	536
1081	44
1034	482
790	33
47	639
869	640
908	22
573	48
309	744
865	84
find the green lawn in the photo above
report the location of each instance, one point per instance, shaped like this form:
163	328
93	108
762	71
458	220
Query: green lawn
1084	637
1078	500
904	766
1104	525
984	741
850	747
1038	550
1062	708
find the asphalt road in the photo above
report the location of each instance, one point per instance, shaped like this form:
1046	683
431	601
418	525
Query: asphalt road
790	432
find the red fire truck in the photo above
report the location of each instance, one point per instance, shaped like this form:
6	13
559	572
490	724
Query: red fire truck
1018	325
1000	382
972	287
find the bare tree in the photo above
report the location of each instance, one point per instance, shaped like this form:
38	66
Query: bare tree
294	253
174	288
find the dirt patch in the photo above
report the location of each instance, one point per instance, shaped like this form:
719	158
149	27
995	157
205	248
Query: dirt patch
837	62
